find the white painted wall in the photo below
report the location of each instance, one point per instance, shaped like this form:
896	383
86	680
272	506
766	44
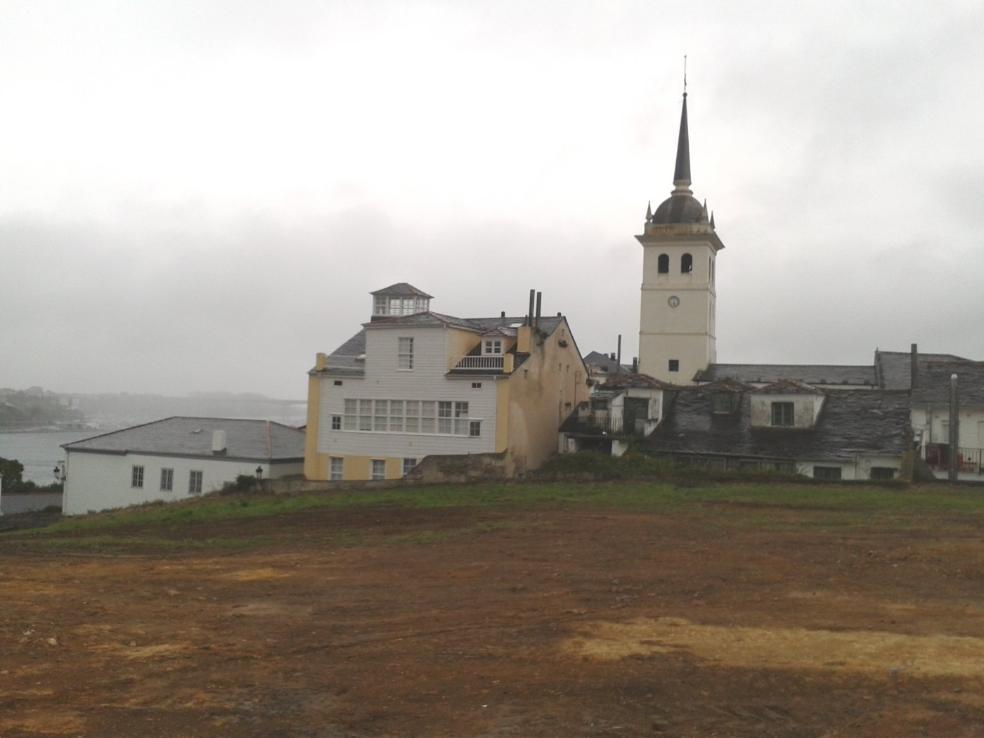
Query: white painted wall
934	425
859	468
427	380
97	481
806	409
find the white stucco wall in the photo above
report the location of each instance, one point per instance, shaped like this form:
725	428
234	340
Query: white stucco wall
99	481
934	425
434	348
806	409
858	468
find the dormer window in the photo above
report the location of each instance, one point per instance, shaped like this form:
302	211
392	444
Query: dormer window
724	403
492	347
782	415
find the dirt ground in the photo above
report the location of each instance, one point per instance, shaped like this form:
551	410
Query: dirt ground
723	621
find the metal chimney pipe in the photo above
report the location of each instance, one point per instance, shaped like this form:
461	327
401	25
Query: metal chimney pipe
539	297
913	366
618	361
529	314
954	439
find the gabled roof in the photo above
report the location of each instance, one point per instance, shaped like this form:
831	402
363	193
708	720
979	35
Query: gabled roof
787	387
815	374
870	422
401	289
604	362
895	367
725	385
349	358
253	440
628	380
933	383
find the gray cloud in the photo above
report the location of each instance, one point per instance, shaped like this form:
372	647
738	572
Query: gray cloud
201	196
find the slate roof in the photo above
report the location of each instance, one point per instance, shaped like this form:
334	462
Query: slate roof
628	380
348	358
401	289
604	362
253	440
895	367
787	387
872	422
933	383
816	374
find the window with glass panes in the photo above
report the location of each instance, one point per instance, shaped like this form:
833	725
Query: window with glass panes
378	469
446	417
337	468
136	476
405	353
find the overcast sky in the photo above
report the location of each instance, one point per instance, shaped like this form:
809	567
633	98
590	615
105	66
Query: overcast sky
200	195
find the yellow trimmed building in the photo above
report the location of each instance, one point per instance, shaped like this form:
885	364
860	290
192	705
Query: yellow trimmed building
414	383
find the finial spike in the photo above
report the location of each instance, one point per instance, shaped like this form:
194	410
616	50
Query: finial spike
684	75
649	211
712	219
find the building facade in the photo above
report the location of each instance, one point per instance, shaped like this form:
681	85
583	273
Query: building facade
174	459
415	383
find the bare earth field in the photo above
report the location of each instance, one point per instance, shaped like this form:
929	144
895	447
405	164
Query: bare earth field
596	610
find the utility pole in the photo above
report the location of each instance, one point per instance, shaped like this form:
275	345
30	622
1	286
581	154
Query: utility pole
954	439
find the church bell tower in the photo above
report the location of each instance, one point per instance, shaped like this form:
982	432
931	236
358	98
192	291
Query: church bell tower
679	247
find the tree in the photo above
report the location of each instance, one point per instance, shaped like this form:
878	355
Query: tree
12	472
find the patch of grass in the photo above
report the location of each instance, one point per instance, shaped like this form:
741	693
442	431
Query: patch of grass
850	502
134	544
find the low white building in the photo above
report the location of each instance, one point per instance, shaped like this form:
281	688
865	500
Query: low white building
173	459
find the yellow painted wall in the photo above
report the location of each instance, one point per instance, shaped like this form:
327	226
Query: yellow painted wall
315	464
543	392
459	343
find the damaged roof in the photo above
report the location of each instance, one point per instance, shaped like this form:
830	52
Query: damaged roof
895	367
870	422
816	374
933	383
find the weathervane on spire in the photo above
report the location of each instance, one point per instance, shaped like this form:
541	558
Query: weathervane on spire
684	75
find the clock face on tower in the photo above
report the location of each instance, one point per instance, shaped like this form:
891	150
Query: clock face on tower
674	301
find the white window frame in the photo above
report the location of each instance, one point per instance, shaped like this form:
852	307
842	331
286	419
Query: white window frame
336	468
137	476
779	407
336	422
408	464
167	479
377	470
196	479
350	418
404	353
492	347
427	417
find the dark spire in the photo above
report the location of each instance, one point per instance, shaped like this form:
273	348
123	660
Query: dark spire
681	175
649	211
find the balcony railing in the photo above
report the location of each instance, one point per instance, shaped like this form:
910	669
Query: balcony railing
486	363
969	460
